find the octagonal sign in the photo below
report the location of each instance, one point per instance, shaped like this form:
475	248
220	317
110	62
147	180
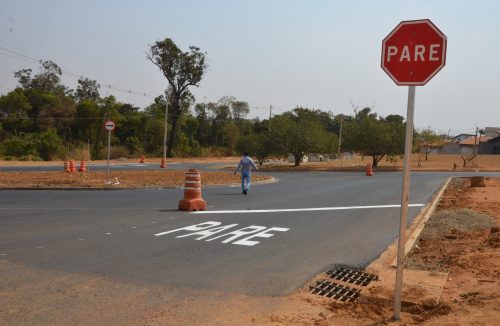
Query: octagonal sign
413	52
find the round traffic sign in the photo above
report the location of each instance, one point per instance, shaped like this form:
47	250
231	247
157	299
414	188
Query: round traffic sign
413	52
109	125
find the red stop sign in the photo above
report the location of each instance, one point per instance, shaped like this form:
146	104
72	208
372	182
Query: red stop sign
413	52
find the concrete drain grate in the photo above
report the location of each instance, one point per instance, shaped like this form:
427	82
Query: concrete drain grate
353	276
335	291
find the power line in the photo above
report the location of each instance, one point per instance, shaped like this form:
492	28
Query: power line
20	56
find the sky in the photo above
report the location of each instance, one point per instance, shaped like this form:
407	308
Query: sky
317	54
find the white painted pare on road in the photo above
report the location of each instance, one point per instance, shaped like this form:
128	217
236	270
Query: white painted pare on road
212	230
302	209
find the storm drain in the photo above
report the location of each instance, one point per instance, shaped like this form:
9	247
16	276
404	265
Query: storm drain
335	291
350	275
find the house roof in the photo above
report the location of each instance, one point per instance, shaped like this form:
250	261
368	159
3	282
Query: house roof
471	140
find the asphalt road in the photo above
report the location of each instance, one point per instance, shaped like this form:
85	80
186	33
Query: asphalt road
118	234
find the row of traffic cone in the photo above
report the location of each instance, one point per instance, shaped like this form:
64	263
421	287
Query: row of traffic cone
163	163
70	166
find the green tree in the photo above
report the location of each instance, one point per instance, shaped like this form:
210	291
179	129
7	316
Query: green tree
373	136
58	115
49	145
257	145
299	133
87	89
19	146
14	111
182	70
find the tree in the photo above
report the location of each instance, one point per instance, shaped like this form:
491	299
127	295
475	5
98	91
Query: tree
49	145
87	90
429	138
300	132
14	111
258	145
182	69
374	136
47	80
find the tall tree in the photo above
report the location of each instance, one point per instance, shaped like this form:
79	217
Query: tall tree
374	136
299	133
182	69
87	89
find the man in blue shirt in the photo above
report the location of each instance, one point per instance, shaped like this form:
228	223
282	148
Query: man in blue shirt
245	165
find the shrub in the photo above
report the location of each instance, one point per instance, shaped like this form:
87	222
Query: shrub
49	145
18	146
115	152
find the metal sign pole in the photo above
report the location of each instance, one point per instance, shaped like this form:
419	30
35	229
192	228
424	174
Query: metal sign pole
404	201
109	154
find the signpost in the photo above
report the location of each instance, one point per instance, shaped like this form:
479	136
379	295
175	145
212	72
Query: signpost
110	126
412	54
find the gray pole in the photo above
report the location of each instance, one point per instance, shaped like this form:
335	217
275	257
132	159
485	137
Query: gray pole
109	155
165	130
270	115
404	201
340	140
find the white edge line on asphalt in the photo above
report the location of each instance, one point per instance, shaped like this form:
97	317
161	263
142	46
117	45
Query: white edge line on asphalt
302	209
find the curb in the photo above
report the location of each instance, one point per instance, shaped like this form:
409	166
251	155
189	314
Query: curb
418	224
431	283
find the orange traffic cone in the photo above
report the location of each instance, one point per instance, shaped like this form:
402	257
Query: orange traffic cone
66	166
83	166
192	193
142	159
163	163
369	171
72	167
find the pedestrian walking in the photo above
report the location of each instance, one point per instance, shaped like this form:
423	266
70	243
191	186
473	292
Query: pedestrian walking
245	166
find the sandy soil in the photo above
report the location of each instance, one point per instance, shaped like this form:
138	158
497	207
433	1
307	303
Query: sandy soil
462	238
434	163
126	179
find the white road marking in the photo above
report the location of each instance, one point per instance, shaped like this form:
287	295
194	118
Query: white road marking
133	227
211	229
108	233
302	209
3	254
39	247
153	222
81	239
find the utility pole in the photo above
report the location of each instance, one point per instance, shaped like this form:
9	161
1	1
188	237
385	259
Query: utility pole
340	140
475	143
270	115
164	159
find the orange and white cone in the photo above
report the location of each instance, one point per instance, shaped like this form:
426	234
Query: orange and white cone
83	166
66	166
72	166
369	170
192	200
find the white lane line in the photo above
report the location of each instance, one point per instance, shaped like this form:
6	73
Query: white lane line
108	233
133	227
81	239
3	255
303	209
39	247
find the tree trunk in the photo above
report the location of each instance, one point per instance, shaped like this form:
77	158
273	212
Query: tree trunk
376	158
298	159
175	119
